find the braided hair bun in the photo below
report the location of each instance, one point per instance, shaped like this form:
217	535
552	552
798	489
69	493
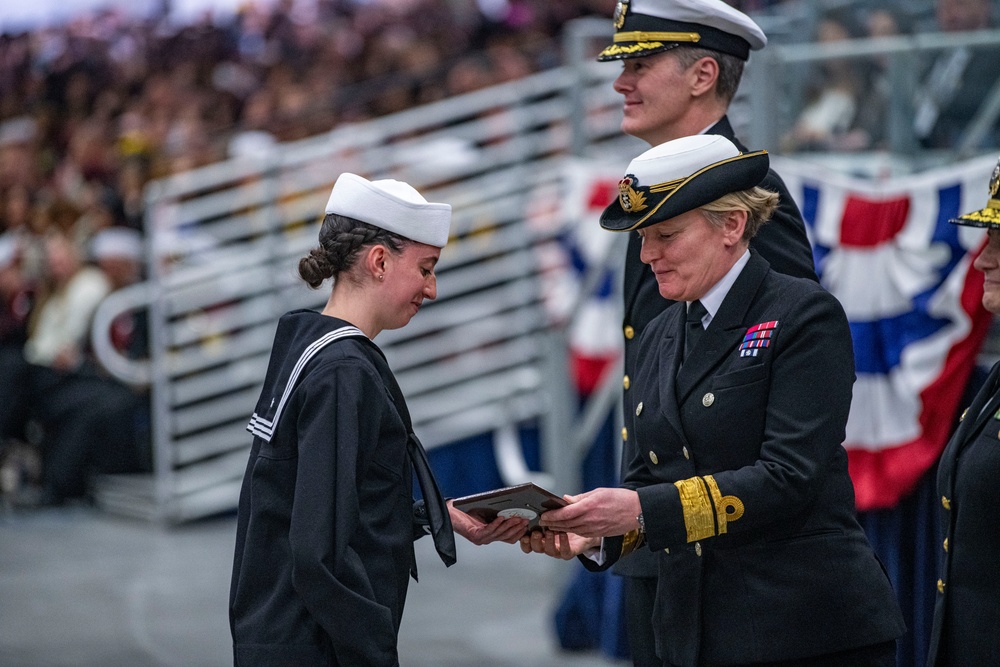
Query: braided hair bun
340	242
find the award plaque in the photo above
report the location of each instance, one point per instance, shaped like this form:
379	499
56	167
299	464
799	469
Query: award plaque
527	501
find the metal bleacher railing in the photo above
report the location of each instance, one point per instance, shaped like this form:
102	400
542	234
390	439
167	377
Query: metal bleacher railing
776	77
487	356
490	354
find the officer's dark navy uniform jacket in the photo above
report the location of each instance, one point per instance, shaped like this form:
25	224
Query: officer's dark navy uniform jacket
967	610
782	241
738	462
324	543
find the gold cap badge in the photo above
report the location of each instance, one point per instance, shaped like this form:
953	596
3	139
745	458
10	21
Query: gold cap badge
631	200
621	9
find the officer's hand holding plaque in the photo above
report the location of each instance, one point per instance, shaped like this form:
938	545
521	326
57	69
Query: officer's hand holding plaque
526	501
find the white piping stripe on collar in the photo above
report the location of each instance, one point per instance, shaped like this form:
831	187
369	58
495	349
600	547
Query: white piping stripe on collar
264	428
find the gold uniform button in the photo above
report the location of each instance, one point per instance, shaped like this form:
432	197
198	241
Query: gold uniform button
638	409
666	551
626	382
629	332
708	399
624	433
687	454
946	544
964	412
697	548
653	457
940	586
946	502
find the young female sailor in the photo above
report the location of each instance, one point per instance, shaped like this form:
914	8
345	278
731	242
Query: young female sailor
324	543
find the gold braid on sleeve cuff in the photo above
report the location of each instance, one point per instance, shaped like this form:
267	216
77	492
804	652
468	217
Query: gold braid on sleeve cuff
631	541
706	511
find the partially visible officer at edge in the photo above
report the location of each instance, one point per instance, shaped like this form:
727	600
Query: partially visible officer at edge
967	610
682	61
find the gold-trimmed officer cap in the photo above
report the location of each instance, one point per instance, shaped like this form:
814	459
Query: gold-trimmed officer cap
679	176
645	27
985	217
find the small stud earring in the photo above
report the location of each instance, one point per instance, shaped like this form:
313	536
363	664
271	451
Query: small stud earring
381	277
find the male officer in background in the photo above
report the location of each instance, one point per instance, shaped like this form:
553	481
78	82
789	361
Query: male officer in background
681	65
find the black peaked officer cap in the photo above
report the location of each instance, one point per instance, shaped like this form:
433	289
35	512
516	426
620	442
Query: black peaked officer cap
988	217
679	176
645	27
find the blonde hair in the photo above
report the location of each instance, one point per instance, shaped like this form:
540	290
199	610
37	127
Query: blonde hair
757	202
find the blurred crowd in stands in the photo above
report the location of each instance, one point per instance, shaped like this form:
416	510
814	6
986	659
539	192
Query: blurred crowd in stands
92	110
847	102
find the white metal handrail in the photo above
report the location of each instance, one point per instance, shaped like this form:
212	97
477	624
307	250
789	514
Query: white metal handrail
223	242
488	356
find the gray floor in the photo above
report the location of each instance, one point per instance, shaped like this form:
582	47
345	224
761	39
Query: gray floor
80	588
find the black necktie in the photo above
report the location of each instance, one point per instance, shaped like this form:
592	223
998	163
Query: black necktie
437	509
694	328
434	504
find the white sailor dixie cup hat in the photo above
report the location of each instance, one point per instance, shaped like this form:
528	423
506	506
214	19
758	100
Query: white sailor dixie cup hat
986	217
645	27
392	205
679	176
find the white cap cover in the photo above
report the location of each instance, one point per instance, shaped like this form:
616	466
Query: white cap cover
393	206
644	27
678	159
678	176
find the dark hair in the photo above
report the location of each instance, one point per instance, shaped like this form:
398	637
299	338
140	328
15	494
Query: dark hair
730	68
340	240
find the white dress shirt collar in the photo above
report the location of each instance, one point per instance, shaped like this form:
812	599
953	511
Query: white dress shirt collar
717	294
